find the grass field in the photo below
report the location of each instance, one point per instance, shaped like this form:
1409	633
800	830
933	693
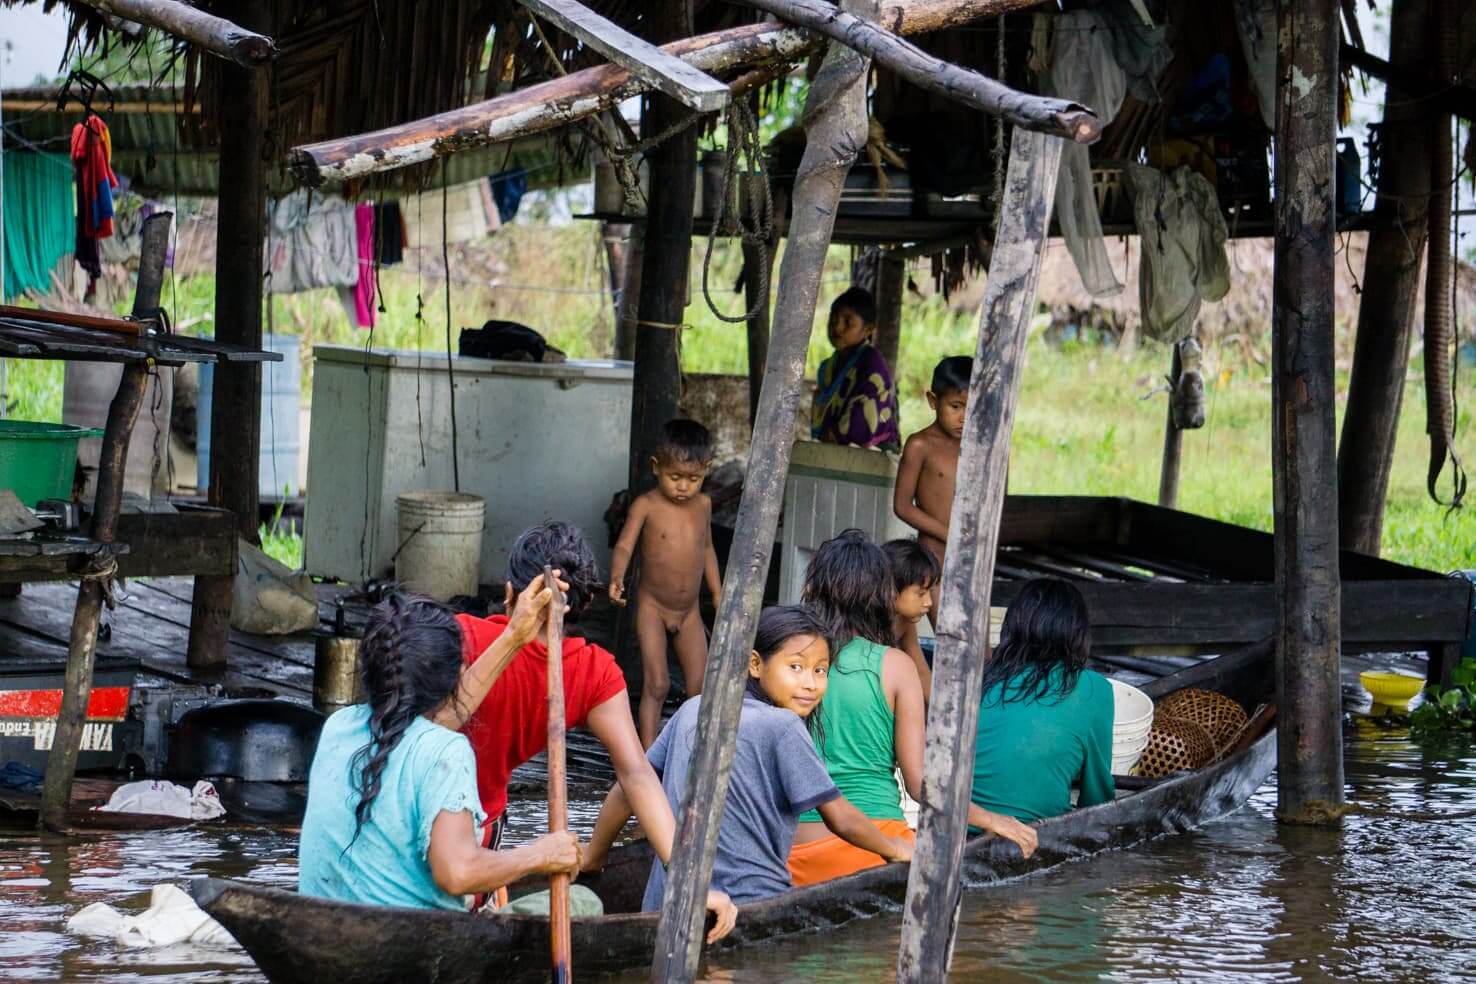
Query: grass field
1083	426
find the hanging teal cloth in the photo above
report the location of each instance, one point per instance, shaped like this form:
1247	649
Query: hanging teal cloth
37	204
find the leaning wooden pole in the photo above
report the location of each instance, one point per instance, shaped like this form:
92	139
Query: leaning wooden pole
561	966
835	127
930	912
235	421
1391	282
1310	736
206	31
61	761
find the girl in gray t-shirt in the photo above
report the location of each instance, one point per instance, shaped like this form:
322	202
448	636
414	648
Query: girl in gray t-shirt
776	773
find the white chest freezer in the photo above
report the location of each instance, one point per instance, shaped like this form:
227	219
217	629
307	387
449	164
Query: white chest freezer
538	441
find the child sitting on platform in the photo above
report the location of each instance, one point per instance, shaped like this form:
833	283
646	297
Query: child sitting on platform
855	394
776	774
915	574
672	527
929	466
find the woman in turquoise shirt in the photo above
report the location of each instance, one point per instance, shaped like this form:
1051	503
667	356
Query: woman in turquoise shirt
392	795
1045	721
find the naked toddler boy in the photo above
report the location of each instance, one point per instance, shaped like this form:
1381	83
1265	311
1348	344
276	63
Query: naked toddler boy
672	527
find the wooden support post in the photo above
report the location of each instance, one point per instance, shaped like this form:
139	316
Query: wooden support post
66	742
1391	280
628	310
664	72
835	126
758	273
891	290
931	911
235	422
657	383
1310	735
1173	442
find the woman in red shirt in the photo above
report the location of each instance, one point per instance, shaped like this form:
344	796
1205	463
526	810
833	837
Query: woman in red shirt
507	722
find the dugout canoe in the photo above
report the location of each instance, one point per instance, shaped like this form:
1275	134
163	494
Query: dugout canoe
294	938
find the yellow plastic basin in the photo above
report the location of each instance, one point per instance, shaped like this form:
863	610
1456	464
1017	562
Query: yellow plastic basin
1389	688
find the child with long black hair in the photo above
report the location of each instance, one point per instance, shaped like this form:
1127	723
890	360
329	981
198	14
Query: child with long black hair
1045	720
776	774
392	794
874	718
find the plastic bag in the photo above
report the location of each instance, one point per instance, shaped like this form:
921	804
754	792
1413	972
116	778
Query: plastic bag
172	917
269	599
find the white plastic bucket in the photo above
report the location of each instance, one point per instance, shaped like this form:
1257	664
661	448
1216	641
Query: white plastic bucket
440	542
1132	721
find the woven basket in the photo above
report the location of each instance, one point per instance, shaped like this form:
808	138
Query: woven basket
1174	744
1221	716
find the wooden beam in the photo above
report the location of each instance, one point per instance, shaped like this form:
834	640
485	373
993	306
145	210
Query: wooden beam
235	420
929	915
663	72
61	760
1303	460
1391	281
835	127
666	259
213	34
1059	117
552	104
891	290
1173	441
758	273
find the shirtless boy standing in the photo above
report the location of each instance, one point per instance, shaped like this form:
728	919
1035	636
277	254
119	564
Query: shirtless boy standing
672	524
925	478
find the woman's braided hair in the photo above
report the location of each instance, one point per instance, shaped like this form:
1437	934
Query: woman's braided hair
411	664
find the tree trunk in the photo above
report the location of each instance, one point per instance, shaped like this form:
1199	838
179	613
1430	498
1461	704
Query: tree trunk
66	742
213	34
657	385
931	910
1309	736
1391	279
235	423
835	124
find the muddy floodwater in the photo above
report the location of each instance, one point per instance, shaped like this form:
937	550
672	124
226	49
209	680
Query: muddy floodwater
1390	897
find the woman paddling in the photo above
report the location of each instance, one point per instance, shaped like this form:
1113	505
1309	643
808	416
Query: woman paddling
392	809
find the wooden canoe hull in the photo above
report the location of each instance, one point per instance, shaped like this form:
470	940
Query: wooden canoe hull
294	938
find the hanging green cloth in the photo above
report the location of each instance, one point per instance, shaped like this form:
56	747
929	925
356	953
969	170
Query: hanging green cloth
37	200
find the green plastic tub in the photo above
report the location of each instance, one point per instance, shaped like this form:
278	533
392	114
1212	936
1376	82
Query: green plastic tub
38	460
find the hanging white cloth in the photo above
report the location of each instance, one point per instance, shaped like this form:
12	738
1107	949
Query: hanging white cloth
312	242
1183	261
1255	22
172	917
1099	55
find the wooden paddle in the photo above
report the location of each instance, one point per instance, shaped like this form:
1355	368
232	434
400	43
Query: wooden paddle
558	793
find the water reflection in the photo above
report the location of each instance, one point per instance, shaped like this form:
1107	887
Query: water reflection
1392	896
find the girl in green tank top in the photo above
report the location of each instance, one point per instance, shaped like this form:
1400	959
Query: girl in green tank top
872	716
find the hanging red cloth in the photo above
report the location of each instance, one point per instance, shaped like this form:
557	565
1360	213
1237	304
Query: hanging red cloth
92	170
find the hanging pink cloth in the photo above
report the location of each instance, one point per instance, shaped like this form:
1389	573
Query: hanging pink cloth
364	293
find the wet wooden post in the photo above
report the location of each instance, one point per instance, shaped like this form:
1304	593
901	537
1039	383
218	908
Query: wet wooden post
235	423
891	289
835	125
931	911
61	760
1391	281
657	383
1173	441
1310	737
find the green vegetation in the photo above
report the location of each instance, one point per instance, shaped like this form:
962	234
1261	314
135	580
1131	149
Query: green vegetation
282	544
1083	425
1448	709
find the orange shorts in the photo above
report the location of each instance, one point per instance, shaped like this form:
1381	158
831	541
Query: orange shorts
830	857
